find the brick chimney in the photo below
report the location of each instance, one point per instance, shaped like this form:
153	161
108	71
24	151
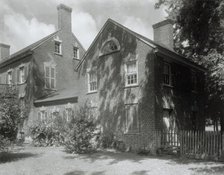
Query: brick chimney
163	33
4	51
64	17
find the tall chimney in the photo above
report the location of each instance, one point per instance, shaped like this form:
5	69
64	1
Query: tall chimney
163	33
64	17
4	51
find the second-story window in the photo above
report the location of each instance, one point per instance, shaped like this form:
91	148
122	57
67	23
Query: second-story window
9	77
21	74
50	77
92	81
167	76
131	77
76	52
57	47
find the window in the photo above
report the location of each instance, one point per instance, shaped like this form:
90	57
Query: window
92	81
131	118
42	116
167	77
50	77
57	47
21	74
76	52
194	81
9	77
110	46
131	77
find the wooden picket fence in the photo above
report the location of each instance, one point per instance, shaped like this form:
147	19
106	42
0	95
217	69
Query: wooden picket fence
193	144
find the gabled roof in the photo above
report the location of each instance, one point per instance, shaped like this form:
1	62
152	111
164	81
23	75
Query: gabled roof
27	49
158	47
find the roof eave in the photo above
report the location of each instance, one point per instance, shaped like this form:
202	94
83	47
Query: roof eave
175	56
14	59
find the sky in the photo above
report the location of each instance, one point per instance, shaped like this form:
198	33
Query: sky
22	22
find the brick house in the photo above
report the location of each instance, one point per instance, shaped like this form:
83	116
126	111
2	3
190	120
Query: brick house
136	85
132	84
44	71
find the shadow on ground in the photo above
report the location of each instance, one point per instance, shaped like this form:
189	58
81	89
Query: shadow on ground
83	173
218	170
116	157
10	156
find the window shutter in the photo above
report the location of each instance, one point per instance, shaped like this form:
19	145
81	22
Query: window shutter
7	78
25	72
18	76
13	76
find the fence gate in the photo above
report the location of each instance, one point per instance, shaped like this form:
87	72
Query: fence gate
201	144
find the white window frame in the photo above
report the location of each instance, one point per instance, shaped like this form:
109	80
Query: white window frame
9	80
77	52
128	125
88	80
42	115
169	74
131	74
50	77
59	50
21	77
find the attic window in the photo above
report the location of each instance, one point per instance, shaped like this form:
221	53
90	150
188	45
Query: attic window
110	46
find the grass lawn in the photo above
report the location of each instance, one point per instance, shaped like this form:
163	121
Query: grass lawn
46	161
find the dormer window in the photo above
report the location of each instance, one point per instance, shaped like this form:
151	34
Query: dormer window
75	52
110	46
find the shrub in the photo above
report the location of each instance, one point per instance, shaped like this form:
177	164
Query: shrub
49	132
4	143
84	134
9	117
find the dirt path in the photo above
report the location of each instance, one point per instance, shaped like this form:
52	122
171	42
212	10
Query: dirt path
54	161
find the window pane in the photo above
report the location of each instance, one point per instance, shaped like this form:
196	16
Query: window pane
92	81
47	82
52	72
75	52
52	83
47	71
57	47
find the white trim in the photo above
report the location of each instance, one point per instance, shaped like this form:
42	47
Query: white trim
89	71
78	57
50	66
126	74
57	40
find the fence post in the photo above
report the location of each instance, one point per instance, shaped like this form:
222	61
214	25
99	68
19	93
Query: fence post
222	147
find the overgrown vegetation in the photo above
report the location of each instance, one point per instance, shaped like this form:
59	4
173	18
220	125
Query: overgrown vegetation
198	34
10	117
49	132
84	134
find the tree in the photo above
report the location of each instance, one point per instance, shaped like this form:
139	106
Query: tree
199	35
9	115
